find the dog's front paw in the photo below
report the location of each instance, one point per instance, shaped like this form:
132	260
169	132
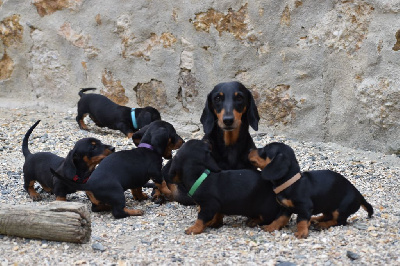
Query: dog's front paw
253	222
36	197
138	194
133	212
302	229
270	228
193	230
301	234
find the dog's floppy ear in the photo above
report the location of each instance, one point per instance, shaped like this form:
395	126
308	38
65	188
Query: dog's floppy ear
67	168
208	117
165	170
177	141
159	140
277	168
172	168
138	135
252	113
211	164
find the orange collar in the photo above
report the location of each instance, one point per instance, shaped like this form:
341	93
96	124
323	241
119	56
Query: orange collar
287	184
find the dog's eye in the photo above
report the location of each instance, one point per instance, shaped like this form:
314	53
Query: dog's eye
218	99
239	98
93	147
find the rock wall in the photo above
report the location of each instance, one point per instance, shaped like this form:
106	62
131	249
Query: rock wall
319	70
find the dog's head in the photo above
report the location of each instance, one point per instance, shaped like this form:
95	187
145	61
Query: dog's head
229	104
161	135
86	154
193	153
147	115
275	160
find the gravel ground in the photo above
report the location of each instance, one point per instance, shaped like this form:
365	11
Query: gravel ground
158	236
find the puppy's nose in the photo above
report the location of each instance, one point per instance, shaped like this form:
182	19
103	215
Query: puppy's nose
228	121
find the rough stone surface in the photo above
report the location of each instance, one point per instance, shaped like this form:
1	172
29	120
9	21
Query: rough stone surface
325	71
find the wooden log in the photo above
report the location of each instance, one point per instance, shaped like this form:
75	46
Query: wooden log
57	221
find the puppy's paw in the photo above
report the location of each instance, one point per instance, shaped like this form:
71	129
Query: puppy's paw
138	194
270	228
253	222
302	229
133	212
301	234
193	230
35	197
197	228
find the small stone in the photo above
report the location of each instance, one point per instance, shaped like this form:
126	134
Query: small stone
351	255
98	246
285	263
361	226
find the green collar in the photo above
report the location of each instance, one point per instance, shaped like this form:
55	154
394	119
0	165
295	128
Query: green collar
198	182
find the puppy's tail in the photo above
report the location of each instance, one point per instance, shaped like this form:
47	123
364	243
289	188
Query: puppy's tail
86	89
25	149
366	206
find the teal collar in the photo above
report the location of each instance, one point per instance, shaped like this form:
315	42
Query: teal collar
134	118
198	182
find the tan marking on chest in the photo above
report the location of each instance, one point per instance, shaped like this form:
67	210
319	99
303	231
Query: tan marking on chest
231	137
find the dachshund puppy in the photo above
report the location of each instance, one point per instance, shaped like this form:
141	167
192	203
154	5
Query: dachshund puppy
221	192
106	113
229	111
80	162
129	169
306	193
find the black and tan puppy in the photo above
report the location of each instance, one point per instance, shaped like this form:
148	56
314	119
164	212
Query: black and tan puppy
229	111
130	169
79	163
221	192
106	113
306	193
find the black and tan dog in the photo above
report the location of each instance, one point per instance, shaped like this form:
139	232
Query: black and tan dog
229	111
221	192
129	169
306	193
79	163
106	113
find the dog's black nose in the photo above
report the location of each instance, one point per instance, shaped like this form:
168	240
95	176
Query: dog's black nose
228	121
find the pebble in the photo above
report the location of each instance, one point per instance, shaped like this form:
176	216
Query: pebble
352	255
98	246
158	238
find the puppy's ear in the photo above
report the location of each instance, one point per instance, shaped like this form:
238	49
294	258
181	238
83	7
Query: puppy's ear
138	135
252	113
67	168
277	168
211	164
159	140
208	117
172	168
177	141
166	172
